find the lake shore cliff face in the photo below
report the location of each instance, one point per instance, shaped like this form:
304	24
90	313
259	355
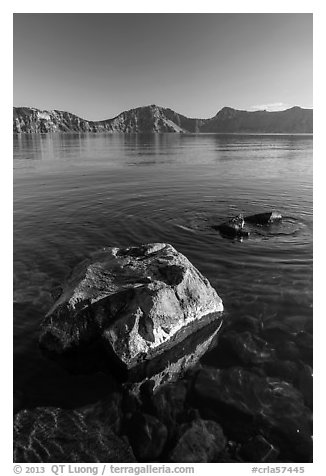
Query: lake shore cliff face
157	119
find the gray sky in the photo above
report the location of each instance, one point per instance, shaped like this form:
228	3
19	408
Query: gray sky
97	65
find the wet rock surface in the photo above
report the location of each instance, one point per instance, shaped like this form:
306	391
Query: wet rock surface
264	218
234	227
240	227
124	307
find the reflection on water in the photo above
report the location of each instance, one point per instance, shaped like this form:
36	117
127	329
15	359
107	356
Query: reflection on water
75	193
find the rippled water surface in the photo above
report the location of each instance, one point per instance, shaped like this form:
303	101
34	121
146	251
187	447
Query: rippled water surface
76	193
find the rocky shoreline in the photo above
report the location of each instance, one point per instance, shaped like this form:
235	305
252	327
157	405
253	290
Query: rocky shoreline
186	400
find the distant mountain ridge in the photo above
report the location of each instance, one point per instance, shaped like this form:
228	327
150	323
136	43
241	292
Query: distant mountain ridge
159	119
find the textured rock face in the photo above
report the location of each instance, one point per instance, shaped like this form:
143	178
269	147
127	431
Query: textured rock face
140	120
32	120
152	119
294	120
159	119
53	435
134	303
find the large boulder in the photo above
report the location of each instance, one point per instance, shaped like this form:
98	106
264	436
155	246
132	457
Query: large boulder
175	362
134	304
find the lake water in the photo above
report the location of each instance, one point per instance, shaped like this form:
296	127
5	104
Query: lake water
76	193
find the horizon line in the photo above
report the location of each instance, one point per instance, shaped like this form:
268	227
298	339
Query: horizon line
163	107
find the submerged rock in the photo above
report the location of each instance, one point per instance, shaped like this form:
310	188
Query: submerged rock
259	450
201	441
147	436
304	342
297	373
249	348
53	435
258	404
264	218
285	370
108	411
305	383
134	304
169	404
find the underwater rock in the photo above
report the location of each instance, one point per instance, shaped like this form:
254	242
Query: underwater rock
53	435
305	383
247	323
304	342
259	450
108	411
249	348
147	436
264	218
289	352
169	404
237	346
283	341
201	441
124	307
264	405
297	373
286	370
